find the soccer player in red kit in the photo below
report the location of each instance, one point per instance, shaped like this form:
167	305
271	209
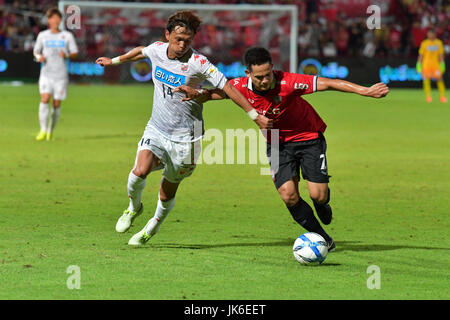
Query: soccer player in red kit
302	146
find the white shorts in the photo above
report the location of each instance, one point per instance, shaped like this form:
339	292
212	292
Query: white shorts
56	88
178	159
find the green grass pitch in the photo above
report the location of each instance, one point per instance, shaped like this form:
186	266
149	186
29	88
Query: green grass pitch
229	236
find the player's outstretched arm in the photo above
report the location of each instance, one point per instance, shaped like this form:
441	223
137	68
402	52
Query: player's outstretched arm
229	91
133	55
378	90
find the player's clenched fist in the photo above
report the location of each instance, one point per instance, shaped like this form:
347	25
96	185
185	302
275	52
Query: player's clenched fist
378	90
104	61
190	93
264	122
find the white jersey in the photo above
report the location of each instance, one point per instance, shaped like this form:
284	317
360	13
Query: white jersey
177	120
49	45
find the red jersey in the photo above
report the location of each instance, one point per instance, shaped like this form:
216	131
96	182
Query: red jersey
295	118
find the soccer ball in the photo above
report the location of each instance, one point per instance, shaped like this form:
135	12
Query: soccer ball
310	248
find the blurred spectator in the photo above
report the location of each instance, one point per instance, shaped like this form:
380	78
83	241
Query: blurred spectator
315	33
428	19
304	39
381	40
355	40
342	38
418	35
328	47
394	39
369	48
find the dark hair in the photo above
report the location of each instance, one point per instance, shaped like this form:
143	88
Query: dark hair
186	19
52	11
256	56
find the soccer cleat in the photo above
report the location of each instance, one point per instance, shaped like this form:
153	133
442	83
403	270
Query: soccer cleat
139	238
443	99
41	136
49	136
429	99
150	229
331	246
125	221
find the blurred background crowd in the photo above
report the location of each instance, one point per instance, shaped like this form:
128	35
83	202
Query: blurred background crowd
327	28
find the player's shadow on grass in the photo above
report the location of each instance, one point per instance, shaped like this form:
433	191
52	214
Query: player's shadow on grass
358	246
340	246
280	243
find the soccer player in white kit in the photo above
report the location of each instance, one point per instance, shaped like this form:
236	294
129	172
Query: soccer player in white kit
52	48
169	140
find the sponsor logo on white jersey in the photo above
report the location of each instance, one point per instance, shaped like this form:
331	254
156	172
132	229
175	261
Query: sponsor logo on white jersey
168	77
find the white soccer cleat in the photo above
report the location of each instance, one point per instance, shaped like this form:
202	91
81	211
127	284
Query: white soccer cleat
141	238
125	221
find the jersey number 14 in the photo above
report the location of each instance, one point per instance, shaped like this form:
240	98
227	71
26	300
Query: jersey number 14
167	91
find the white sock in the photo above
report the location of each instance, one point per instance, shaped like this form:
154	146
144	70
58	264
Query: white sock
135	187
54	117
162	211
44	111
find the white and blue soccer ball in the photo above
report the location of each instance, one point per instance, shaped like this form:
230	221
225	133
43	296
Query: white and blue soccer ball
310	248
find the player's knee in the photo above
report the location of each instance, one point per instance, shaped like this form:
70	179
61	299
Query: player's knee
164	197
289	198
319	196
141	171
